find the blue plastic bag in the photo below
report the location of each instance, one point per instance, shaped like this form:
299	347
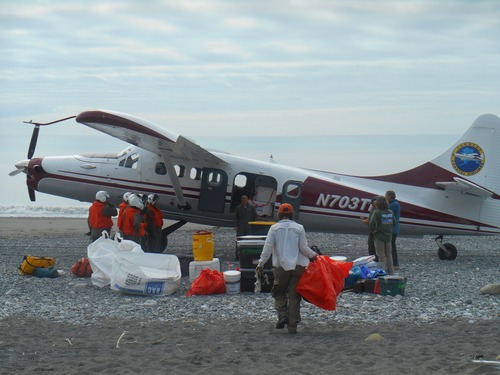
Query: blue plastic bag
50	272
354	275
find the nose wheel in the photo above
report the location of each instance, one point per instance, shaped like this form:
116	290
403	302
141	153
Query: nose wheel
446	251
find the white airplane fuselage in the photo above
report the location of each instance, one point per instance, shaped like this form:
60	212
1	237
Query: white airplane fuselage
324	202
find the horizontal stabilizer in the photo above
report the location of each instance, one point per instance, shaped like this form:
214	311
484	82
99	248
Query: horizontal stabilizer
465	187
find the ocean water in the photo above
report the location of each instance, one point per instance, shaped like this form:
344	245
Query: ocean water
44	211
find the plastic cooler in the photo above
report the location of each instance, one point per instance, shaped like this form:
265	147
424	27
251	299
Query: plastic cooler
249	250
260	227
203	246
196	267
392	285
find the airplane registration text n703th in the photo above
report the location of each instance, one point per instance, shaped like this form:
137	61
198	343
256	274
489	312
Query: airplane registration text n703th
344	202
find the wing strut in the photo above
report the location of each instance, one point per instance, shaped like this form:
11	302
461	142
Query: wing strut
183	205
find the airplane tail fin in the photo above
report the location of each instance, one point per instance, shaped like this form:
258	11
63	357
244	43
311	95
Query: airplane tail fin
474	160
471	165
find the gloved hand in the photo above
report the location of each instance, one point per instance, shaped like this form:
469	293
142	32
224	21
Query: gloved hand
259	271
313	258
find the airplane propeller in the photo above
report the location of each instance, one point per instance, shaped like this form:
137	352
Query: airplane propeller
34	139
23	166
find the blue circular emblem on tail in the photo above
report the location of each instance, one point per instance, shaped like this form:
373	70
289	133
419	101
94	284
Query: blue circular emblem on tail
467	159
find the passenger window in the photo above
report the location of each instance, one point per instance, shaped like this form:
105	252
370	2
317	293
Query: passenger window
292	190
195	173
240	181
122	163
180	170
214	179
160	168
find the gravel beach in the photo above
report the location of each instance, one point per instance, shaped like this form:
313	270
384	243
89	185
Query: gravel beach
67	325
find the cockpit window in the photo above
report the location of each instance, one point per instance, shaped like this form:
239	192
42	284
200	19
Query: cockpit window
131	161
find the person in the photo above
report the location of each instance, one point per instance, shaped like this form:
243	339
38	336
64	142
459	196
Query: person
155	223
147	217
243	214
122	207
390	196
366	220
381	225
100	213
286	242
134	227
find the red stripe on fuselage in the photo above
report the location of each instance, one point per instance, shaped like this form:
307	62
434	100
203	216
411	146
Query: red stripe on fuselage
313	188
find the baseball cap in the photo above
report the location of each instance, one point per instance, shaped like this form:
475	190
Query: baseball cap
285	208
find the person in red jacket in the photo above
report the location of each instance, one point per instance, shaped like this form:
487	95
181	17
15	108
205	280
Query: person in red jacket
122	208
134	226
100	213
155	223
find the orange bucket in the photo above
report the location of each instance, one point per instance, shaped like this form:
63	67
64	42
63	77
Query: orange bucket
203	246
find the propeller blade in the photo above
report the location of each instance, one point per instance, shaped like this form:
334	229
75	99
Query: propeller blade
16	172
22	166
34	138
31	192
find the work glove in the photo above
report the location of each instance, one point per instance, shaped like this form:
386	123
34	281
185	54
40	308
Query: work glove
259	271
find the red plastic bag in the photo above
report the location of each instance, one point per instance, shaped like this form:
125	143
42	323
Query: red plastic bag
322	281
208	282
82	268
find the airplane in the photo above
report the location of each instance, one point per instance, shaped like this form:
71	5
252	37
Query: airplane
457	193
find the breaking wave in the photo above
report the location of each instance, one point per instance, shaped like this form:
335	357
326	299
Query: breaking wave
44	211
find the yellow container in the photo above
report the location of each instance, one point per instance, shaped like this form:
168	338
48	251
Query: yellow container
203	246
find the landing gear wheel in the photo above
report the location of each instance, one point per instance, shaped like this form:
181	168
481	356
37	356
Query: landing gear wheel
449	254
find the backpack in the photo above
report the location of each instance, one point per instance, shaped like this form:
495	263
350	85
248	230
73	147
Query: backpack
30	263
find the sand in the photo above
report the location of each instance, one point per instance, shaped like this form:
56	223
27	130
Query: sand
233	346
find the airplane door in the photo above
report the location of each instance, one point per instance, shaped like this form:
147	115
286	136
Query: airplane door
292	193
213	190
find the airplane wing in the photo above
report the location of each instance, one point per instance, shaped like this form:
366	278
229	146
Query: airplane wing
147	135
151	137
465	187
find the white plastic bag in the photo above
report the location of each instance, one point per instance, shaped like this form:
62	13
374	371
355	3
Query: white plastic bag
146	274
101	254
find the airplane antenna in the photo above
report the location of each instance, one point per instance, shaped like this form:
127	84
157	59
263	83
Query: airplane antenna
48	123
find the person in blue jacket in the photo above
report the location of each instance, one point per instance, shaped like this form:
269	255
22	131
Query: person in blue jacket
390	196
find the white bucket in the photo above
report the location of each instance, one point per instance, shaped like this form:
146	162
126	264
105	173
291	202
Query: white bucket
232	280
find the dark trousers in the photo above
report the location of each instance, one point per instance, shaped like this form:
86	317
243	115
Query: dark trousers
371	246
394	251
284	291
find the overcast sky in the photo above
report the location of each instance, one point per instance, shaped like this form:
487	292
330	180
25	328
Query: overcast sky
255	67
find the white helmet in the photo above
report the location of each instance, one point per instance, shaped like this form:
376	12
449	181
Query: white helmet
102	196
126	196
153	198
135	201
